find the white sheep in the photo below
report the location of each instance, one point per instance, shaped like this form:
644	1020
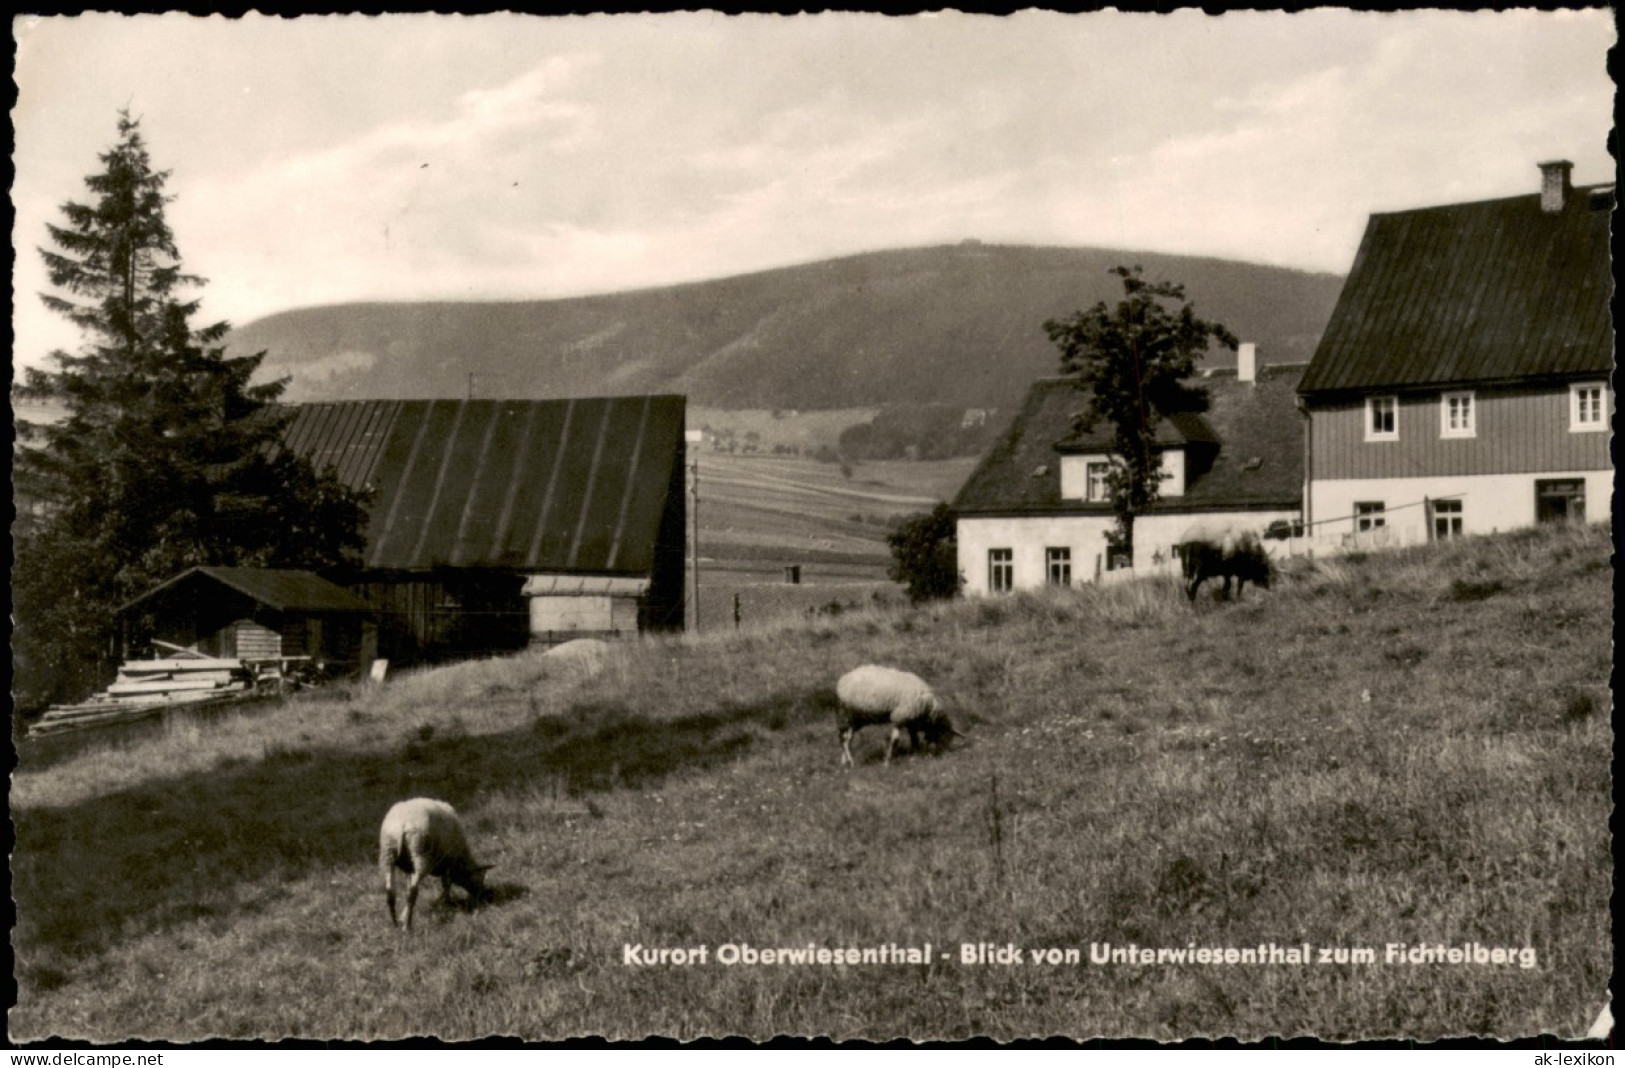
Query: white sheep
873	694
424	837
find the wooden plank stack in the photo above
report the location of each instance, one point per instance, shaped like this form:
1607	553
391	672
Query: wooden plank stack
148	687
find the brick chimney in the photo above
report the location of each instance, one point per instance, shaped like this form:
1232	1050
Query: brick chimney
1555	185
1247	362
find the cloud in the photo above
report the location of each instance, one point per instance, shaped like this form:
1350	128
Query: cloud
412	158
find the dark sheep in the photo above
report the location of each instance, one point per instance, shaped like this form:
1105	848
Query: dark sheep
1225	554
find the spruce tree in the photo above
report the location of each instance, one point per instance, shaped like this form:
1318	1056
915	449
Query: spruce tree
168	454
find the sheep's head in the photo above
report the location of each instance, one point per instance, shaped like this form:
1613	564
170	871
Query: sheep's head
937	729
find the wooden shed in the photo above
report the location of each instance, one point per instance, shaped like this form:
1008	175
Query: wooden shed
253	613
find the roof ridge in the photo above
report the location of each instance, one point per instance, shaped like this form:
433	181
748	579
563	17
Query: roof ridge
1577	190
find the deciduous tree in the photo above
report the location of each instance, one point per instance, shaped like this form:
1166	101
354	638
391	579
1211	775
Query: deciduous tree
925	556
1133	362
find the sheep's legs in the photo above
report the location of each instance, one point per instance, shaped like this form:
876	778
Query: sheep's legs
412	894
846	746
891	743
389	897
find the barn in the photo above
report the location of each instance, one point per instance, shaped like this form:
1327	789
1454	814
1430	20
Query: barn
253	613
499	524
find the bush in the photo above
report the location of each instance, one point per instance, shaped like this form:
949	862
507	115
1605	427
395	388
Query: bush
925	555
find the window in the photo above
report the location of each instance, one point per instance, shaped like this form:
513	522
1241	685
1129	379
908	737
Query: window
1456	415
1368	516
1559	500
1059	564
1095	480
1382	419
1001	570
1586	408
1446	519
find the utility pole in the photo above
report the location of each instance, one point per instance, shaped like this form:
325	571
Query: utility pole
693	439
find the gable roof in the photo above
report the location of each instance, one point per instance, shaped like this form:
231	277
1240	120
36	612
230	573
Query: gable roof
1259	462
565	485
1494	291
280	589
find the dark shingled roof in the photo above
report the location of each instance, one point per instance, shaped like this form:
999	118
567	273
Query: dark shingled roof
565	485
1251	422
1181	428
280	589
1495	291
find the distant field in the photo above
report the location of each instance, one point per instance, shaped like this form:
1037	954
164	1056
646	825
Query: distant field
765	429
766	509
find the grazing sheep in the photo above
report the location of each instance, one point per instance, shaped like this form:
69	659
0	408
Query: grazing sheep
872	694
424	838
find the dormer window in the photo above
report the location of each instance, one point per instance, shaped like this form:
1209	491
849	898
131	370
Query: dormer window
1095	487
1456	415
1382	419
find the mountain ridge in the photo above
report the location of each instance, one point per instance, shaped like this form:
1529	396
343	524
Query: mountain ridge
947	324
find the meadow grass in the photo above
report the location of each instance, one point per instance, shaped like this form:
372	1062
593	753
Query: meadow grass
1410	747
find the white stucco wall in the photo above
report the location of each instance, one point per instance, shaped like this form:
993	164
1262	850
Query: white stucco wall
1490	503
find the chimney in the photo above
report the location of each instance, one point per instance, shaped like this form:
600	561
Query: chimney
1555	185
1247	362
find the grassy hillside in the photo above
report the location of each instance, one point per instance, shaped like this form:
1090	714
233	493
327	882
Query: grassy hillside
1404	748
956	325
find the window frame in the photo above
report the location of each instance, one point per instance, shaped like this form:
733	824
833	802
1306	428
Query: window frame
1469	427
1089	467
1453	513
1577	425
1001	568
1058	557
1391	402
1370	516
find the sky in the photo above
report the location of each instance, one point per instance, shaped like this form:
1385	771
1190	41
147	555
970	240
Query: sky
325	159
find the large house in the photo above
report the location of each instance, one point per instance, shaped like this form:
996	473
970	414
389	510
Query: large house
495	525
1462	385
1035	511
